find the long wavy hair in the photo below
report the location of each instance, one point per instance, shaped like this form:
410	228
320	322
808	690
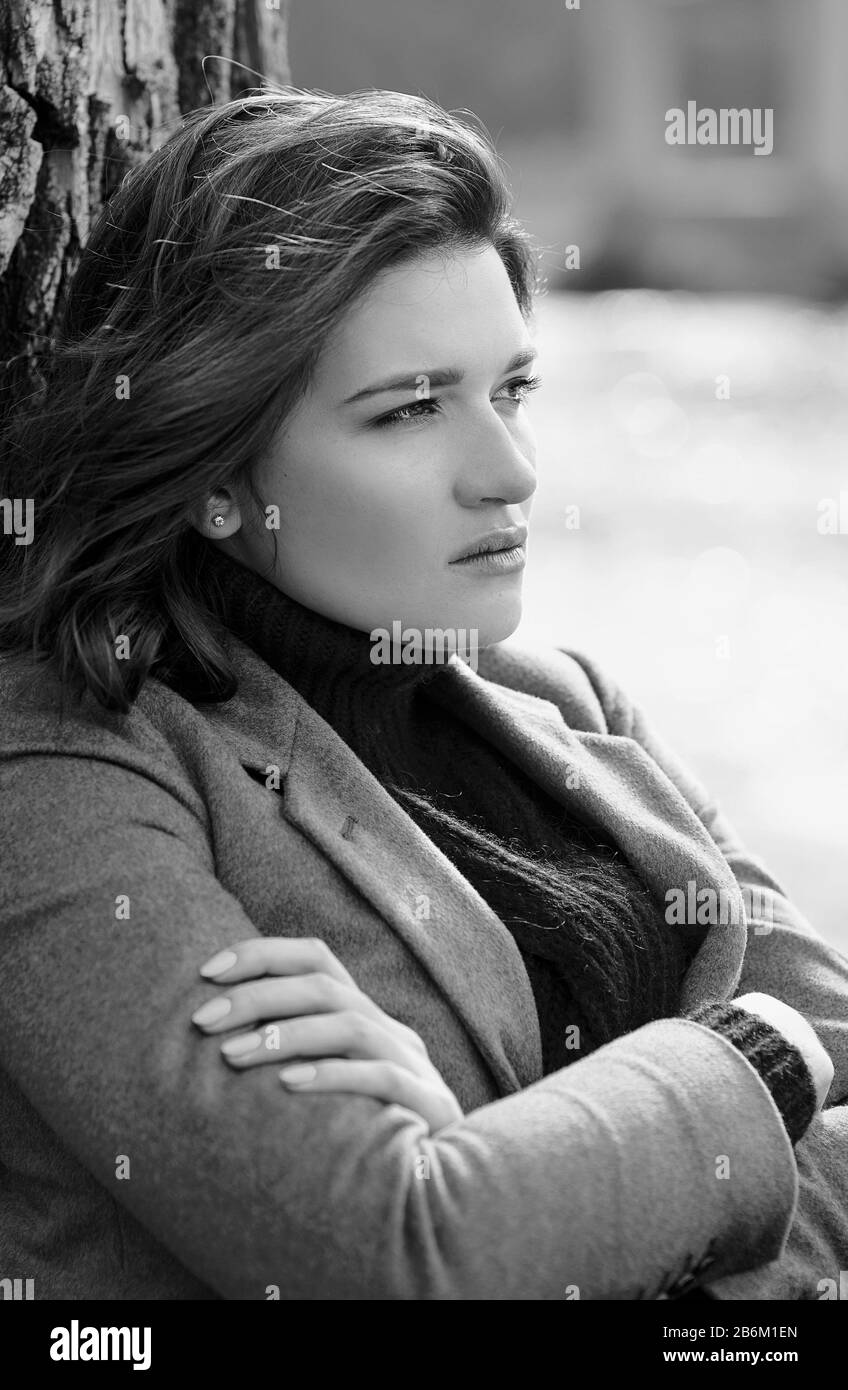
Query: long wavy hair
206	291
179	353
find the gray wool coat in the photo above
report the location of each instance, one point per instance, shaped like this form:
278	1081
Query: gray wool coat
135	1164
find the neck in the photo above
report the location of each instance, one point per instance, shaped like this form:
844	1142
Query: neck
329	663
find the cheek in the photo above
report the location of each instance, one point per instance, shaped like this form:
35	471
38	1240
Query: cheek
342	506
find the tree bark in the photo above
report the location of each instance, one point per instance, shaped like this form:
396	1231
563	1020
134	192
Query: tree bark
90	87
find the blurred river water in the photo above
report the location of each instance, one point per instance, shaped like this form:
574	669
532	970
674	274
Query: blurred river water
686	534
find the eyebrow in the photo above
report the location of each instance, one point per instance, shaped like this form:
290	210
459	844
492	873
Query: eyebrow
437	376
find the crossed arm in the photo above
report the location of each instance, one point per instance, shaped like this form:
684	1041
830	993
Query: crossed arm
600	1176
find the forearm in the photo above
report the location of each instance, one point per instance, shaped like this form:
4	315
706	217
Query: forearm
604	1175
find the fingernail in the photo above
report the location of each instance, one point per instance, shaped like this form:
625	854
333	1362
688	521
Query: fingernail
224	960
236	1047
211	1011
297	1075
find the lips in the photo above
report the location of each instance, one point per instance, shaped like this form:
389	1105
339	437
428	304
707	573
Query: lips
502	538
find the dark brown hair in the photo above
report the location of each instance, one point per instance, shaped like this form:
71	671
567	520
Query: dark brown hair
204	295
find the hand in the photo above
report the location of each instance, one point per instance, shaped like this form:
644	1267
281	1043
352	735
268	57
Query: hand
317	1011
799	1032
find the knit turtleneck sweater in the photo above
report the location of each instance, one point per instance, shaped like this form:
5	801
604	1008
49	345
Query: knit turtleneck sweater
597	950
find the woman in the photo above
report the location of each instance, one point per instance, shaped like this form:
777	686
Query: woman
502	923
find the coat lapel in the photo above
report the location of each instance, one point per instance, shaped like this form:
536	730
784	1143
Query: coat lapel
613	782
332	798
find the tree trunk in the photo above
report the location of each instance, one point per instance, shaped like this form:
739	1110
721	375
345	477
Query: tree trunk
90	87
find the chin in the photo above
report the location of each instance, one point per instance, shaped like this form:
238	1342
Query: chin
500	624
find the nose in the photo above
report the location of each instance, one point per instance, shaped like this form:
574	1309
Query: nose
498	465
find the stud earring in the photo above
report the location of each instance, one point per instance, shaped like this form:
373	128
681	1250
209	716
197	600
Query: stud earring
217	520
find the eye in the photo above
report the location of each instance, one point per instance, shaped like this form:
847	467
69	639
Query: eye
417	410
524	385
408	412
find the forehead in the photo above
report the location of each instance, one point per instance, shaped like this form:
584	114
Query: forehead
434	310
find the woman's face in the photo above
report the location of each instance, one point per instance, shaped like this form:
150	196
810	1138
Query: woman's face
373	512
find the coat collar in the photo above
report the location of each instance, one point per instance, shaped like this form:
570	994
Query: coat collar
329	794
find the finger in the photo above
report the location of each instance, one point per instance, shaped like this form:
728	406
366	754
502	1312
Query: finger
346	1034
274	998
274	955
382	1080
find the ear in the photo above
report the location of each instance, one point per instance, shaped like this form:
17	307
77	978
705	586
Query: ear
221	505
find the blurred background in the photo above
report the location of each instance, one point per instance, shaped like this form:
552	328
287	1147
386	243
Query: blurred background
693	338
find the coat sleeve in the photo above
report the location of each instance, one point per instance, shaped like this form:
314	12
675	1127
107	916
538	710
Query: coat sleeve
601	1181
784	955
